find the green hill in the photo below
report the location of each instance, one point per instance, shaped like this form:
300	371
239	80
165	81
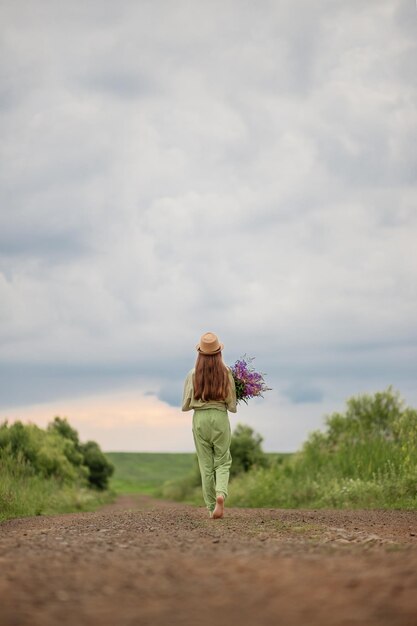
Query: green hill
143	472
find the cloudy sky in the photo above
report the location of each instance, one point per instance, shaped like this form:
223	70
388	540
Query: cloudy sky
175	167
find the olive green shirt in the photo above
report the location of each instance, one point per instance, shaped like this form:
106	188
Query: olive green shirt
189	402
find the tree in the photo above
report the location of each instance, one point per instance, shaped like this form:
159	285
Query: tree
98	467
63	427
98	464
367	417
246	450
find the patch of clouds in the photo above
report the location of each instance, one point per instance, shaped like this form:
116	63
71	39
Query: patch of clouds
128	421
168	170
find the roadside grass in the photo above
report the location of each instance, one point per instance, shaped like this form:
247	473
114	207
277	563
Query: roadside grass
23	496
299	484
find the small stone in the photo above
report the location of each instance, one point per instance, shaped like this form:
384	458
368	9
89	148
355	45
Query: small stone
216	541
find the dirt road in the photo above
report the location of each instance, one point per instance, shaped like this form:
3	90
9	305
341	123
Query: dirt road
142	561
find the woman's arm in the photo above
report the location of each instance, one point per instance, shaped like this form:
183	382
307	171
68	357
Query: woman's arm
188	393
231	398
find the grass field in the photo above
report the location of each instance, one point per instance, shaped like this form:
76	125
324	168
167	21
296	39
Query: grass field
144	472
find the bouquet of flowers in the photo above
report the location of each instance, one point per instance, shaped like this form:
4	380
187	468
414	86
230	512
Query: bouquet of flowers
249	384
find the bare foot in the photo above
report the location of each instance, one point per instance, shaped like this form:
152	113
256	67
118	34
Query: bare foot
218	511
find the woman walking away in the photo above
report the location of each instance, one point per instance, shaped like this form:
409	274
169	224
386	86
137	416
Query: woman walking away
210	390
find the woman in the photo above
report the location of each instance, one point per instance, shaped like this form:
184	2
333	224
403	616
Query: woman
210	390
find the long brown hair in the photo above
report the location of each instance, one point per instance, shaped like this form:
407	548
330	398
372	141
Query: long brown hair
211	380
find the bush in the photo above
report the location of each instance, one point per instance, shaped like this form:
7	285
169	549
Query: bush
367	457
246	450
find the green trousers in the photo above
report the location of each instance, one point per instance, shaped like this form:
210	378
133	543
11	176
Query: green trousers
212	436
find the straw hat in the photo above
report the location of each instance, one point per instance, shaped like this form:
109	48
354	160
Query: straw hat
209	344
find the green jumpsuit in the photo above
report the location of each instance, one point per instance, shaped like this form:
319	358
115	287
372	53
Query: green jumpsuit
212	436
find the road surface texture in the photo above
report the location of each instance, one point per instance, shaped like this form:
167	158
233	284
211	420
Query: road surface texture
147	562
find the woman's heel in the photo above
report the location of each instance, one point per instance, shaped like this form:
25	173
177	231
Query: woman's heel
219	510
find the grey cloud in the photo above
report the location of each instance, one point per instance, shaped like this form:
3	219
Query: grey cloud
371	162
404	17
303	393
59	246
10	95
28	383
171	392
120	82
25	383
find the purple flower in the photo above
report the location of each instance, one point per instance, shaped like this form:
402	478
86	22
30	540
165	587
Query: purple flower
249	384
